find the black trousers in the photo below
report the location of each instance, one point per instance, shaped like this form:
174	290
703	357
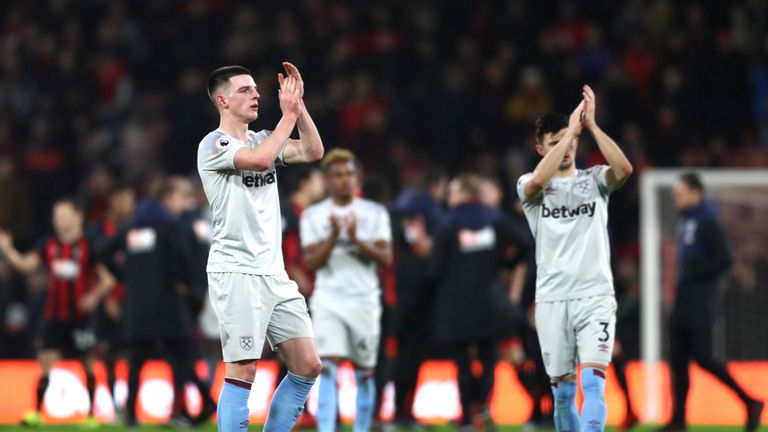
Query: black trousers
413	346
475	390
693	342
180	355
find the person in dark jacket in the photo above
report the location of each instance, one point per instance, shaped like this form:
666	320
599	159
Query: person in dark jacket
157	274
416	214
472	310
703	257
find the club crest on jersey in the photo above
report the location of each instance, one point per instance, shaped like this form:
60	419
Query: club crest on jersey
222	143
583	188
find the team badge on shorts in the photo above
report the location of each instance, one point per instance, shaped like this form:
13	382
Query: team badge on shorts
246	342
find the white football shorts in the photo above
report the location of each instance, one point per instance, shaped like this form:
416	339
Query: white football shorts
576	331
252	307
345	332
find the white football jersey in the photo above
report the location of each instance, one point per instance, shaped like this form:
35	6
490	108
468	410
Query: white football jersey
346	276
569	220
246	233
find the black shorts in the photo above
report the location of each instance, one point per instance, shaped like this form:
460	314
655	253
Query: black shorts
70	339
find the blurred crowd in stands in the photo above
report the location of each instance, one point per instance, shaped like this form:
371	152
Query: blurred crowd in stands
96	94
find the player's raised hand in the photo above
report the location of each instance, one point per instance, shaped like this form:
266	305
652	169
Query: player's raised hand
290	102
352	227
574	121
589	106
293	71
335	225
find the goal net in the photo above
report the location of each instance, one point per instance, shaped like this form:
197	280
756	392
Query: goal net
741	332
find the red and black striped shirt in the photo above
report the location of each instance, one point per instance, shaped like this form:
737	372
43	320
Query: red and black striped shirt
70	276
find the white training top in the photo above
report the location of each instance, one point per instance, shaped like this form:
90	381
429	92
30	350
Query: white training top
245	207
346	276
569	220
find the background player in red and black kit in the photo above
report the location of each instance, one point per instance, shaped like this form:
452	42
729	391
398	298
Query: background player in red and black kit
76	285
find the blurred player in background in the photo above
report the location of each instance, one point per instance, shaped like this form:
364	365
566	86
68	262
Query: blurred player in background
344	239
72	295
703	257
567	210
248	287
108	317
472	314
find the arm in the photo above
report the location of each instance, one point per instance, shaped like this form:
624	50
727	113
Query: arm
717	257
549	164
517	282
380	251
309	146
417	236
263	156
105	282
24	263
620	167
316	254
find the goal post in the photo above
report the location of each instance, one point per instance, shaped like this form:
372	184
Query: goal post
655	203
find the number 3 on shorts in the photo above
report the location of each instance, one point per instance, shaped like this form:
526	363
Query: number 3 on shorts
604	335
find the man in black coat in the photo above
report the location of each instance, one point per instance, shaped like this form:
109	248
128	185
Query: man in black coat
158	271
416	214
703	258
472	310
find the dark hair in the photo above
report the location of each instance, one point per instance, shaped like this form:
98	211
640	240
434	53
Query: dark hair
119	187
221	76
432	175
71	200
550	123
693	181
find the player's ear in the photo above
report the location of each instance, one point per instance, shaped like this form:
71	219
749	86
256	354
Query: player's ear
540	149
221	101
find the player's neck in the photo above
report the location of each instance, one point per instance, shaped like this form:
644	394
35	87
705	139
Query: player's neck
342	201
69	238
571	170
234	128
